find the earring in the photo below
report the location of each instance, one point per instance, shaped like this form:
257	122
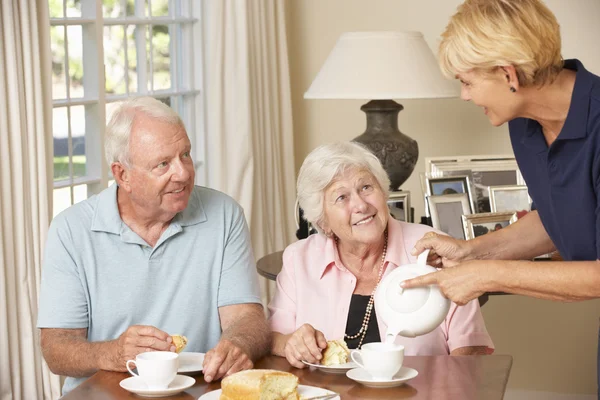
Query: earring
512	89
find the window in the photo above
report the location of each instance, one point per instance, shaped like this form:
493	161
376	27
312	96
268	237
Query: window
104	51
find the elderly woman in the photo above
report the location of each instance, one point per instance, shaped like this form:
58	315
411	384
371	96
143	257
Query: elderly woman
507	56
325	289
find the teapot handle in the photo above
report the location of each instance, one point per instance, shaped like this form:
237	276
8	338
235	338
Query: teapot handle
422	258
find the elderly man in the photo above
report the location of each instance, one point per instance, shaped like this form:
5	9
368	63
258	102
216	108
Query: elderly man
151	256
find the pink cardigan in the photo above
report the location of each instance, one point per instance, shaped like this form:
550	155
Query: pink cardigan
315	288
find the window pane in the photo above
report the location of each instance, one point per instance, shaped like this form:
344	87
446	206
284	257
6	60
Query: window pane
114	60
74	8
60	132
74	34
112	9
78	139
57	43
160	8
56	8
130	8
161	57
80	193
132	69
61	200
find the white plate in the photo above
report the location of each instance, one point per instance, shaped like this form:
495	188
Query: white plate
137	386
360	375
190	362
303	390
334	369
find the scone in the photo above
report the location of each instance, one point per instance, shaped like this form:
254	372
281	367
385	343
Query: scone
260	384
336	353
179	342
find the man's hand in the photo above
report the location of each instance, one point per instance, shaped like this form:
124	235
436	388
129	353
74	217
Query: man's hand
445	251
460	284
225	359
135	340
306	344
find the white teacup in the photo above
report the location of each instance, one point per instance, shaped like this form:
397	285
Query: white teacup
381	360
156	368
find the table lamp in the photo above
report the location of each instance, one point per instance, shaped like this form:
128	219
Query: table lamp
380	67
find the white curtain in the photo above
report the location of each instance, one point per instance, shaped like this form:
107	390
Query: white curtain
248	116
25	193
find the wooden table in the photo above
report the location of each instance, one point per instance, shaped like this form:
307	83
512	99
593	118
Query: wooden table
440	378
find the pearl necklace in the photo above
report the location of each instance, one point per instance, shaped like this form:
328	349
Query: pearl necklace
365	324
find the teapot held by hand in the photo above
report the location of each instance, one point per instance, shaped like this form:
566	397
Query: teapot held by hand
410	312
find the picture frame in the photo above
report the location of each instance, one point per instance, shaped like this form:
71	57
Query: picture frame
479	224
509	198
483	171
449	185
447	211
399	205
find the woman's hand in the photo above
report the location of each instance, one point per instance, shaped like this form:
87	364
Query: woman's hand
445	251
304	344
462	283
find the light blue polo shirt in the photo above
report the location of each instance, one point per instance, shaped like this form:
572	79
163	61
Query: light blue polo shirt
100	275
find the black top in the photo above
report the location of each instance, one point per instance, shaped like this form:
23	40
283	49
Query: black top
356	314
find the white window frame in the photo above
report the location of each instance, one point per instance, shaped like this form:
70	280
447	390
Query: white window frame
186	81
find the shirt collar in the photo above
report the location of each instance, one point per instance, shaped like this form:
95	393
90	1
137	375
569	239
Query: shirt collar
578	111
107	217
396	250
580	103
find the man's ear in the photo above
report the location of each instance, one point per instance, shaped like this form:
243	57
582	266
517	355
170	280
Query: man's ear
510	76
121	175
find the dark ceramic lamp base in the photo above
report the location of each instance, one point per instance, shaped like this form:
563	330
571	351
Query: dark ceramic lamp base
397	152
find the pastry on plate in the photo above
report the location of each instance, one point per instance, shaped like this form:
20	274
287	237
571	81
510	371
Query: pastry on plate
260	384
335	353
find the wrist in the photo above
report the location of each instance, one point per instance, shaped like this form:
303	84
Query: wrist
107	356
278	344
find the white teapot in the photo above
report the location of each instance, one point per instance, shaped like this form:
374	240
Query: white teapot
410	312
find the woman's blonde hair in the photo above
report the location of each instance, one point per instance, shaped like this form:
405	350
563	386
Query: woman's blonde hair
486	34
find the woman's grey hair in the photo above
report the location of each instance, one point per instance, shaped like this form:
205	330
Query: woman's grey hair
118	130
326	163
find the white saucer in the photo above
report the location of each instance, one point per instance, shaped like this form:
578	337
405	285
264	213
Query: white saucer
137	386
334	369
303	391
190	362
360	375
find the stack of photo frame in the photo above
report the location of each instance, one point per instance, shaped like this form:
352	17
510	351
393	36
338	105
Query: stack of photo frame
469	196
399	205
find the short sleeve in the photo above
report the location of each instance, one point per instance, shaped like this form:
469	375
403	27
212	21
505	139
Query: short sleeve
63	300
239	281
282	308
464	327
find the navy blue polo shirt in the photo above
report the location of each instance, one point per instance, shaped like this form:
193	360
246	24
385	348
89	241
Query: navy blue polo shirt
564	178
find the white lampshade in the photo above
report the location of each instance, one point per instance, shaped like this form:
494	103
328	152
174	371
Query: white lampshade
379	66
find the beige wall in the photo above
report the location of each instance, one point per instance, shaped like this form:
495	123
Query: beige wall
553	344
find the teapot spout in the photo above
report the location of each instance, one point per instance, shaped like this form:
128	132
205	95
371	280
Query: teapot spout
390	338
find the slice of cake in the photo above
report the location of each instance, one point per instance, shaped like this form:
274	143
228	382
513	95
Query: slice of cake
336	353
260	384
179	342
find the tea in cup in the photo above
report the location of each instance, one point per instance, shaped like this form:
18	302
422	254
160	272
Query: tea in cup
381	360
156	368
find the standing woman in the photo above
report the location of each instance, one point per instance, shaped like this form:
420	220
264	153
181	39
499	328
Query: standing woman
507	56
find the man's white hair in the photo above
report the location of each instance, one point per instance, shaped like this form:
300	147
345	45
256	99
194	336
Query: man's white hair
118	130
326	163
